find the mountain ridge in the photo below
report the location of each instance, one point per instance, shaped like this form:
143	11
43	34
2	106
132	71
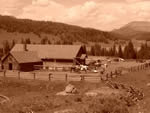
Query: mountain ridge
65	33
135	30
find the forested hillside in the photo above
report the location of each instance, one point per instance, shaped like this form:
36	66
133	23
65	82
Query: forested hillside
66	33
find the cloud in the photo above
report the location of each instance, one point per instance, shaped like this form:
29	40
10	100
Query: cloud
79	12
100	14
38	11
12	7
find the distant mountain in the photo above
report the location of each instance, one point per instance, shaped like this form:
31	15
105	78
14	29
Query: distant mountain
13	28
135	30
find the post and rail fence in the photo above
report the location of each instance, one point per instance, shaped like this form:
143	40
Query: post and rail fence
66	76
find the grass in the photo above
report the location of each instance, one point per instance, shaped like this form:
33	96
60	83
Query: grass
39	96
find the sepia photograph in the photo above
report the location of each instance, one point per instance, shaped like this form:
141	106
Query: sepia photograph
74	56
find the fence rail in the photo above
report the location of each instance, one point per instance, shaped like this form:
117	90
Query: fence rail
52	76
139	67
68	76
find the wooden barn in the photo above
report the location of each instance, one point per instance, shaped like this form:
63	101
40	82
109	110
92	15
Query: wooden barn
29	55
20	60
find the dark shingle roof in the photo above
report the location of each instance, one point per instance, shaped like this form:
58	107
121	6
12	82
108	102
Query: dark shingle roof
51	51
25	56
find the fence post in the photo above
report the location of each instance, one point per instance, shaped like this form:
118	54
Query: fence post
116	72
49	76
19	74
138	68
4	73
111	74
106	76
66	77
82	77
34	76
100	75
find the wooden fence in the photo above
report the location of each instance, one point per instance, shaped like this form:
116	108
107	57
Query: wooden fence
68	76
139	67
52	76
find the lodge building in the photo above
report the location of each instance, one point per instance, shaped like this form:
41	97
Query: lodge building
25	57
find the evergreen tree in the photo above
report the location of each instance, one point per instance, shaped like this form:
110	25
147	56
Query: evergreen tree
44	40
114	50
144	52
28	41
111	52
97	48
105	51
84	49
49	42
120	53
1	52
13	44
92	50
126	52
129	51
6	47
132	54
22	41
102	52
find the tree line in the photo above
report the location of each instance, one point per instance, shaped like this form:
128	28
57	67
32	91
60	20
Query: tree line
128	52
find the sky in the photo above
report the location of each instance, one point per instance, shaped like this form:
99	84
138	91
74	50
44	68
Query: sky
100	14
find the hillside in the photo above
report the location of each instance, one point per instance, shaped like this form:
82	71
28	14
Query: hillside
13	28
135	30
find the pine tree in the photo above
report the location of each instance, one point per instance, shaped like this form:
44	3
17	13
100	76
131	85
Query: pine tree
6	47
22	41
132	54
1	52
110	52
13	44
120	53
84	49
97	48
49	42
44	40
28	41
144	52
114	50
92	51
129	51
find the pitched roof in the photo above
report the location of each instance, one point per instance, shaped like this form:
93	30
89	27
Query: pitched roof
25	56
51	51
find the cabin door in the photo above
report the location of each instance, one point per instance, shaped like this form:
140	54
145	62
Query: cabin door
10	66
